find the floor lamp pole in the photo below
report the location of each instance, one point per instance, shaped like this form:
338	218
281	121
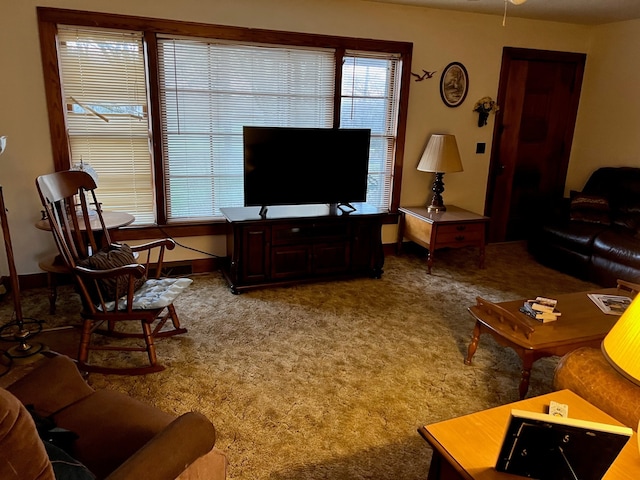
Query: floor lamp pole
20	333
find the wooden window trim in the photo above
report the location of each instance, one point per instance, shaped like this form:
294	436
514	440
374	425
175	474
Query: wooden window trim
49	18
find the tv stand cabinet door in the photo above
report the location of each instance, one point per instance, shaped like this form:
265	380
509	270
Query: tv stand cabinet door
330	258
254	254
290	261
367	252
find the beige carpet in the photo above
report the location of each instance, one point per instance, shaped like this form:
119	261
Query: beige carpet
331	380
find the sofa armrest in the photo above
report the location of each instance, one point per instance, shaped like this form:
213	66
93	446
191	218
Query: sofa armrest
587	372
212	466
54	385
171	451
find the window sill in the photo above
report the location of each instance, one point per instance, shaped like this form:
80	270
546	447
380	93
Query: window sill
214	227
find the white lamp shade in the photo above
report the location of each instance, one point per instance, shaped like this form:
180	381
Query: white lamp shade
441	155
621	346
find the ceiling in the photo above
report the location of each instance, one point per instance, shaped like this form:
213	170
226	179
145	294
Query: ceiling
587	12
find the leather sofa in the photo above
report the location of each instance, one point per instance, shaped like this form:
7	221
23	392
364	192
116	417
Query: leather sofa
118	437
594	234
587	373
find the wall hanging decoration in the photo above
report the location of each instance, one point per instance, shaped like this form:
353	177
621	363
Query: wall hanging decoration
424	75
454	84
484	107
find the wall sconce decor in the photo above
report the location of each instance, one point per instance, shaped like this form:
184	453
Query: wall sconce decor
484	107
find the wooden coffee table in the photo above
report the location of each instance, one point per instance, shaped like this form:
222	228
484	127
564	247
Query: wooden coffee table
581	324
467	447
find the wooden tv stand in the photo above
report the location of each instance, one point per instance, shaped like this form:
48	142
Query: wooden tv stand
294	244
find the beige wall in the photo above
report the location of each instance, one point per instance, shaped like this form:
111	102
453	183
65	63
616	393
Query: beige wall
439	37
608	127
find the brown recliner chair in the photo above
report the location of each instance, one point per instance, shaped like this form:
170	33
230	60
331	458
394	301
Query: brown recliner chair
118	437
587	372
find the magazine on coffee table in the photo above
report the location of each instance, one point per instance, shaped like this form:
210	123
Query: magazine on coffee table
542	446
610	304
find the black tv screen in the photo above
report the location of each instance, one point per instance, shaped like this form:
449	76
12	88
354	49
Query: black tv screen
297	166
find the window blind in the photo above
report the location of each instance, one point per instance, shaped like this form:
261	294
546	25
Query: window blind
105	95
209	91
370	93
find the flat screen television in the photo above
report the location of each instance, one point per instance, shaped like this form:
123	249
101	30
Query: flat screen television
299	166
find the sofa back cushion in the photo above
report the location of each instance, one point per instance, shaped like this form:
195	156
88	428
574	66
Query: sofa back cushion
22	453
589	208
621	187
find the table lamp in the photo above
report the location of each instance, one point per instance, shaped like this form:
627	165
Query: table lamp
440	156
621	346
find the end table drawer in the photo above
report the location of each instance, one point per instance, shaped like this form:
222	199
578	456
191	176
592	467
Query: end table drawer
461	233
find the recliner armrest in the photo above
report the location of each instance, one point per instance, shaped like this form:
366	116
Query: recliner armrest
171	451
586	372
52	386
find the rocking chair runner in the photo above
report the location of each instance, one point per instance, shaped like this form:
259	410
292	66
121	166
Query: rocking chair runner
112	285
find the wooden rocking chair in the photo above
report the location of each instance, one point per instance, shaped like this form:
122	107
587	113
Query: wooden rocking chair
113	286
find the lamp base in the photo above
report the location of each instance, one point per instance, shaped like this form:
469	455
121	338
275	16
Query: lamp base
437	205
436	208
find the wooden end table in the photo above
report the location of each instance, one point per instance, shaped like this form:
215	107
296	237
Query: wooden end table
467	447
582	324
453	228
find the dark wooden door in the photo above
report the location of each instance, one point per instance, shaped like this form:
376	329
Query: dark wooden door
538	97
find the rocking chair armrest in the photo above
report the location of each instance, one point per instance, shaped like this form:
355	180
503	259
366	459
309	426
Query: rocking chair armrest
168	243
135	269
171	451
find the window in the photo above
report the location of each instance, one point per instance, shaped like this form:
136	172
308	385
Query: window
209	91
105	97
370	99
159	115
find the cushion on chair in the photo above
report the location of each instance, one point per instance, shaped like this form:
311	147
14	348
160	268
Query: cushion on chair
111	257
155	293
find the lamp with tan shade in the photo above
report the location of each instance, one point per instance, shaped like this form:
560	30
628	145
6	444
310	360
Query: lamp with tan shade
440	156
621	346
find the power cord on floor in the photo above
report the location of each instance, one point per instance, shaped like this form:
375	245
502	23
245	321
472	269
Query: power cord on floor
185	246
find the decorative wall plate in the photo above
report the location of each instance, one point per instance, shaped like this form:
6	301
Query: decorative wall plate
454	84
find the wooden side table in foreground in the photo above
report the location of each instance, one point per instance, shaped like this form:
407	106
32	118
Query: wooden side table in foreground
453	228
467	447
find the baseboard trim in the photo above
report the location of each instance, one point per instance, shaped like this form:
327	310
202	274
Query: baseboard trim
185	267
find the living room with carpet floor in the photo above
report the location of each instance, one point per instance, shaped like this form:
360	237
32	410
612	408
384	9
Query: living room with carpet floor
332	379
